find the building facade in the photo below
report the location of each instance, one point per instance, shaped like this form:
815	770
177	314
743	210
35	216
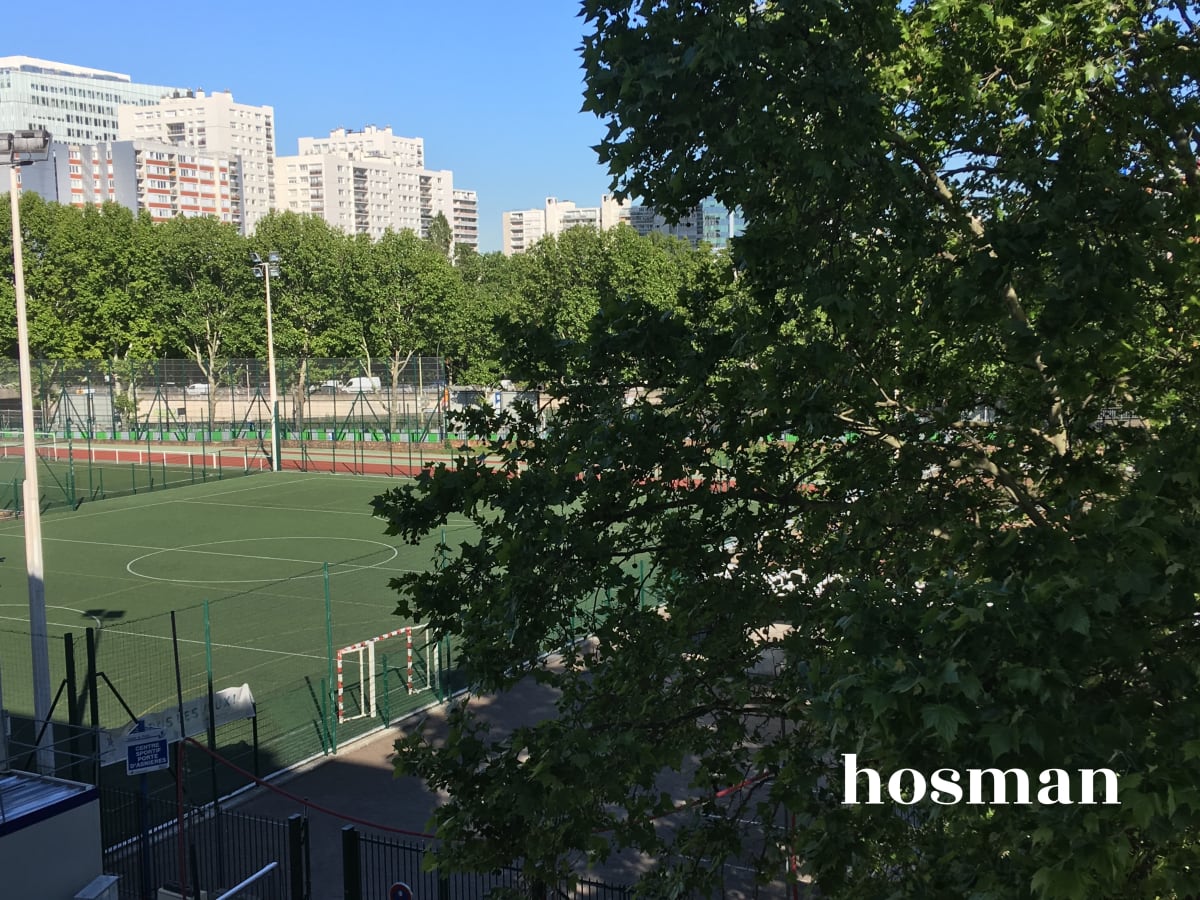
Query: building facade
708	222
214	124
73	103
163	179
370	143
437	196
357	196
369	181
524	228
465	221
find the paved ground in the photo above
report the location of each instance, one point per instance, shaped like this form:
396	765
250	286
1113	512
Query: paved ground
359	782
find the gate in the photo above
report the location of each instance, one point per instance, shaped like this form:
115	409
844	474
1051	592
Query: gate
145	846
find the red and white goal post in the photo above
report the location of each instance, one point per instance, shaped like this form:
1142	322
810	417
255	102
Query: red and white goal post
356	665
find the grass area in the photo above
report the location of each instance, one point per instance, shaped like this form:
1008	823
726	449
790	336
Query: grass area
261	551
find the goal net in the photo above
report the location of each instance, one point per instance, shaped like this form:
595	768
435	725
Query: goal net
404	659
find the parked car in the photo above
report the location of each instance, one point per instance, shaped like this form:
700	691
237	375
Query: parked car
197	389
325	387
362	385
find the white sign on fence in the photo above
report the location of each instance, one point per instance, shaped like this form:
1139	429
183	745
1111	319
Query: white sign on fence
231	704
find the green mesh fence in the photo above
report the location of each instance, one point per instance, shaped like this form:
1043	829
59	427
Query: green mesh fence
71	473
288	673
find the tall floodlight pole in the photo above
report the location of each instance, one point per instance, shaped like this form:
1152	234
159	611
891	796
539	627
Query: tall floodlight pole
264	270
21	148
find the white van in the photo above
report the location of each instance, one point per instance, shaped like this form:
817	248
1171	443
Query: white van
364	385
197	389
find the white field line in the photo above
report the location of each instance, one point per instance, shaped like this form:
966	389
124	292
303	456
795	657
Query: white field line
113	630
309	562
303	509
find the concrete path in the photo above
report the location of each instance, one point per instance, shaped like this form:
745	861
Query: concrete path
358	782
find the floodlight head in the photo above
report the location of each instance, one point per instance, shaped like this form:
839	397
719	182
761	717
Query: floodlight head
32	144
273	257
255	259
274	271
258	272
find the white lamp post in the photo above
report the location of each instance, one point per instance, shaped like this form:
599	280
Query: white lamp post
20	148
264	269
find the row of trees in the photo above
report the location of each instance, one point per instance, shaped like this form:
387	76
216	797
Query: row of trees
105	284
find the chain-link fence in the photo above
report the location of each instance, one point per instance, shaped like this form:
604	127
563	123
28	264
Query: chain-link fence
177	399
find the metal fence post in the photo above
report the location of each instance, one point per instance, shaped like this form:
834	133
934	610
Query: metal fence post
298	858
351	864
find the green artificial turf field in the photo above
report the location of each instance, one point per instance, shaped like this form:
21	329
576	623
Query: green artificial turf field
264	551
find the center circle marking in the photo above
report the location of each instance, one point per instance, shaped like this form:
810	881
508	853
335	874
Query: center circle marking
129	567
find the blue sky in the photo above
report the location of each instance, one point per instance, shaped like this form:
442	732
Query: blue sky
493	87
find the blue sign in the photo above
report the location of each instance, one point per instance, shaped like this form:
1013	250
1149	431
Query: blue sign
400	891
146	750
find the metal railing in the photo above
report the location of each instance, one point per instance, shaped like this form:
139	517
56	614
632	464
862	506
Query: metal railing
372	863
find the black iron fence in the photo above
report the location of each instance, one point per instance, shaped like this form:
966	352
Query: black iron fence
159	849
372	865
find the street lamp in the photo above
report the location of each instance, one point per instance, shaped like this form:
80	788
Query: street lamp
21	148
266	269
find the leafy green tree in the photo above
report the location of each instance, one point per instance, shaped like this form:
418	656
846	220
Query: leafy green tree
63	281
441	235
309	314
416	305
492	295
966	295
211	296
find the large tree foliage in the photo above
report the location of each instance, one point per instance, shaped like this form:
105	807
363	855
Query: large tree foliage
211	295
953	210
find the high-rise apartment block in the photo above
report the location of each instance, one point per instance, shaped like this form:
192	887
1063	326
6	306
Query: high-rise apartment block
370	143
214	124
524	228
437	197
73	103
366	182
357	196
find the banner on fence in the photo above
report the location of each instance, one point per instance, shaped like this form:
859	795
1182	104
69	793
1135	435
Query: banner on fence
231	704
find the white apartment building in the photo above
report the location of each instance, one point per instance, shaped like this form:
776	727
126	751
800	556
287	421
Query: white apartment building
466	219
370	143
524	228
365	182
358	196
163	179
214	124
73	103
437	196
563	214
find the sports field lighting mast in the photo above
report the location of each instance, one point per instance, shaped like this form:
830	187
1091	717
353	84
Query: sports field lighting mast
266	270
22	148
